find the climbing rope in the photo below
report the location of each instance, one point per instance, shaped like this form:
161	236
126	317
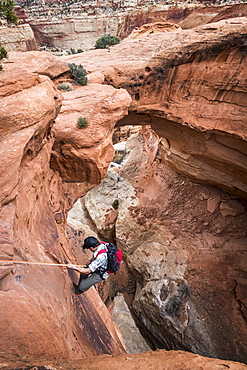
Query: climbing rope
38	263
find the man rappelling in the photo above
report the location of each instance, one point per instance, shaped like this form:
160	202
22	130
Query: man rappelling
106	259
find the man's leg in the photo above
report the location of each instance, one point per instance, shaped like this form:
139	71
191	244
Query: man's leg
91	280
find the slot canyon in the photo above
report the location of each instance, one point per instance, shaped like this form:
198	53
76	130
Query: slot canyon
174	95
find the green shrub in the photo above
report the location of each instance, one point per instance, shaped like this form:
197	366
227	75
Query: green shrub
7	11
79	73
73	51
64	86
115	204
106	41
118	159
82	122
3	54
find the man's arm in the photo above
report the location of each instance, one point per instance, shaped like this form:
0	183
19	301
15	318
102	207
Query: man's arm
82	270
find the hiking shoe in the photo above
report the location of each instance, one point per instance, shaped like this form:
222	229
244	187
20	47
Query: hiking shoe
77	290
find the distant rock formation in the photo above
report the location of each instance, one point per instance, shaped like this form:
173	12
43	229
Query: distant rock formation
18	38
78	25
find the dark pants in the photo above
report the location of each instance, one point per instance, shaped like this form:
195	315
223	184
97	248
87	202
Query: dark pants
86	281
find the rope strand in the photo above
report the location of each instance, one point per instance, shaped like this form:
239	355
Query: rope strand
38	263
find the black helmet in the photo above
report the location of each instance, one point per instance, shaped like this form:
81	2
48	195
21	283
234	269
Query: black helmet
90	242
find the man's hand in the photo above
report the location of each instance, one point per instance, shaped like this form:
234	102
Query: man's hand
82	270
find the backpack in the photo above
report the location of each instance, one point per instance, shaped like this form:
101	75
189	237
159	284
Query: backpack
114	257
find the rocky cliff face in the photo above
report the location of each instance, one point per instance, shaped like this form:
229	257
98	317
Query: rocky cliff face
20	38
79	24
183	241
39	313
178	81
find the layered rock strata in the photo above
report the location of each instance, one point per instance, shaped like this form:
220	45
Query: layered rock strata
185	243
20	38
79	24
185	246
40	315
190	86
170	245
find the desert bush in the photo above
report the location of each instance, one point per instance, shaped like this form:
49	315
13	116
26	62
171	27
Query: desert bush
82	122
7	11
115	204
64	86
3	54
79	73
73	51
106	41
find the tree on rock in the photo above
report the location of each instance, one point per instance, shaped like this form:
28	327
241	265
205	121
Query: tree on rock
106	41
7	11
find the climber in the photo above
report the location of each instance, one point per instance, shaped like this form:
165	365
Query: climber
96	270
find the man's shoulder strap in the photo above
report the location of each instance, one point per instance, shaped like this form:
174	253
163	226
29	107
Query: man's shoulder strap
101	251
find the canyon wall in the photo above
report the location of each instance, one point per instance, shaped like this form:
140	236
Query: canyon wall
19	38
78	25
40	315
178	81
184	242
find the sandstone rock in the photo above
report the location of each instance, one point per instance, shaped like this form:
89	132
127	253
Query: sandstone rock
186	15
20	38
39	312
180	85
99	201
78	32
96	77
171	242
212	204
178	246
33	104
173	360
43	63
152	28
122	317
83	155
231	208
78	25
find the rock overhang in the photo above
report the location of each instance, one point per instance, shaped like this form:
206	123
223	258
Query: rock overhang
191	83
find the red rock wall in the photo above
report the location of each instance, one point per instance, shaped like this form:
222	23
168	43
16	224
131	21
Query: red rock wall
40	314
186	17
184	242
37	158
19	38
